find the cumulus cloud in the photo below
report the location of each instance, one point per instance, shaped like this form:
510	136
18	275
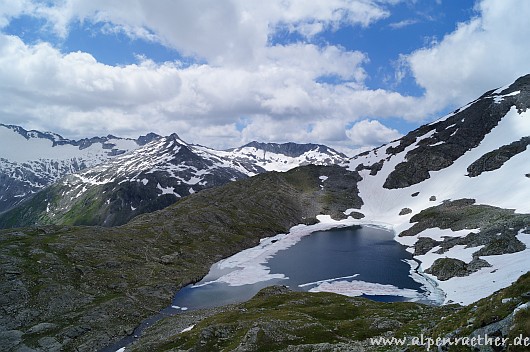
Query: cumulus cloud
61	90
244	86
488	49
371	133
10	9
222	32
73	94
242	75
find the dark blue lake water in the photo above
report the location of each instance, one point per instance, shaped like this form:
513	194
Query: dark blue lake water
355	257
342	259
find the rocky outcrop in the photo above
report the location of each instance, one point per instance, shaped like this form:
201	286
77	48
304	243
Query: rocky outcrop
405	211
497	234
446	268
496	158
374	168
423	245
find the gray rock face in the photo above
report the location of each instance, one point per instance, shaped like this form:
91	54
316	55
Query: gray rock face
405	211
446	268
495	159
452	137
374	168
41	327
424	245
10	339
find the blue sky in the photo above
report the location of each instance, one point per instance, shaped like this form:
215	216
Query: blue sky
347	73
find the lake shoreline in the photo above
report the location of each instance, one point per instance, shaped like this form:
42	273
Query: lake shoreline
271	246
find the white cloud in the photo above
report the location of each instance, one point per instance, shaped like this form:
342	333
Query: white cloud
10	9
372	133
278	90
281	98
402	24
63	91
488	51
222	32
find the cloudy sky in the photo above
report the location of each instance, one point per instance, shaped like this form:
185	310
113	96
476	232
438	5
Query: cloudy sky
346	73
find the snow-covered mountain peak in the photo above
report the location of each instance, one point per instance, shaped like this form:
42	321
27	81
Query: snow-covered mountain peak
285	156
19	145
31	160
153	156
160	170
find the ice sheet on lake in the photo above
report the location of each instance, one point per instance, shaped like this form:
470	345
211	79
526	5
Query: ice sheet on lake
249	266
327	280
358	288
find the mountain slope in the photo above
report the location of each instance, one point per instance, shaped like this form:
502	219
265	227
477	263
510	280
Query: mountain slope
91	285
31	160
283	157
478	153
152	177
282	320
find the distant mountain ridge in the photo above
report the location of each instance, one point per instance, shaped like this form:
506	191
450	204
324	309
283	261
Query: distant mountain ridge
121	178
289	149
285	156
31	160
108	142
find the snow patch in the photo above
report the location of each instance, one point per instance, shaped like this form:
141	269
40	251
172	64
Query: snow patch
499	98
167	190
358	288
189	328
328	280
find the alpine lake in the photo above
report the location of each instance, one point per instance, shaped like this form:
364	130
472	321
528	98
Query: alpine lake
356	261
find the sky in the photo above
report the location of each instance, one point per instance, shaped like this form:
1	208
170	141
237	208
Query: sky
222	73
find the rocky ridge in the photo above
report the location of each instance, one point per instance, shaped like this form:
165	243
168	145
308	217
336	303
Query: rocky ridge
32	160
152	177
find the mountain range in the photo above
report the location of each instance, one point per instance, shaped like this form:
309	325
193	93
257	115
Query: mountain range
109	180
31	160
454	191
